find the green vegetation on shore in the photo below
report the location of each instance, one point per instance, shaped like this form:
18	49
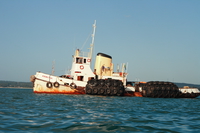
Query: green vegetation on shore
13	84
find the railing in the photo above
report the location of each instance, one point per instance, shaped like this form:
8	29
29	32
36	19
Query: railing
84	54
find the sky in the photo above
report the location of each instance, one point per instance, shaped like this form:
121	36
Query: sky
159	39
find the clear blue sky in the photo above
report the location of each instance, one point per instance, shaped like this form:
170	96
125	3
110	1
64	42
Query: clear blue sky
160	39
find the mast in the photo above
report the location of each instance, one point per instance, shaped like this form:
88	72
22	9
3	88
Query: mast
92	44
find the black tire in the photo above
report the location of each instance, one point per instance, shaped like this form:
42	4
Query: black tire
49	85
115	91
101	91
167	94
73	86
120	92
102	82
115	83
108	91
148	93
92	82
156	93
163	88
108	82
95	91
88	90
56	84
160	94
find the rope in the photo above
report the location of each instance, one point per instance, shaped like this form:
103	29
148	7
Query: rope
86	40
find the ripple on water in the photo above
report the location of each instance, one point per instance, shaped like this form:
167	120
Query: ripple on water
21	110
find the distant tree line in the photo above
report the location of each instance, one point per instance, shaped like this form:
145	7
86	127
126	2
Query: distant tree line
30	84
16	84
186	84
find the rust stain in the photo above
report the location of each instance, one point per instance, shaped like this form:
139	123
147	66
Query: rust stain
129	93
137	94
58	92
78	90
133	94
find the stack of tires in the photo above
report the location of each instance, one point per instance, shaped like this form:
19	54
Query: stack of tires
105	87
158	89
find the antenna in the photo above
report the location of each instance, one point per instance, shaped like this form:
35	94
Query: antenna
92	44
118	68
53	67
127	67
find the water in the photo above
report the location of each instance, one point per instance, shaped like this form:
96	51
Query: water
23	111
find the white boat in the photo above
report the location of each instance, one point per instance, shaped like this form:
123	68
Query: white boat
81	73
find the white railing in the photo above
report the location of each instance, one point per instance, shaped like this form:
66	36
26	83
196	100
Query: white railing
84	54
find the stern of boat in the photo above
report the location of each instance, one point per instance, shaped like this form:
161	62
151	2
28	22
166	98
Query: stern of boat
44	83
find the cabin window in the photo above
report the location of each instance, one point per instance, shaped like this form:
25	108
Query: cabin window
80	78
84	60
79	60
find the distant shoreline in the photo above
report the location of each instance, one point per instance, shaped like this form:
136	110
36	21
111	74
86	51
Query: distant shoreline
17	87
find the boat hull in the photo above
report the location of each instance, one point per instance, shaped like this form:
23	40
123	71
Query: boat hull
40	87
44	83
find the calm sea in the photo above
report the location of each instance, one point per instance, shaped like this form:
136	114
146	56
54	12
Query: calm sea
23	111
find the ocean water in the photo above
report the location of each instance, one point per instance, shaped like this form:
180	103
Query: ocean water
21	110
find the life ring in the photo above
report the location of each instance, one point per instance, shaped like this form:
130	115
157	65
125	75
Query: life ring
81	67
88	60
56	84
49	85
73	86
